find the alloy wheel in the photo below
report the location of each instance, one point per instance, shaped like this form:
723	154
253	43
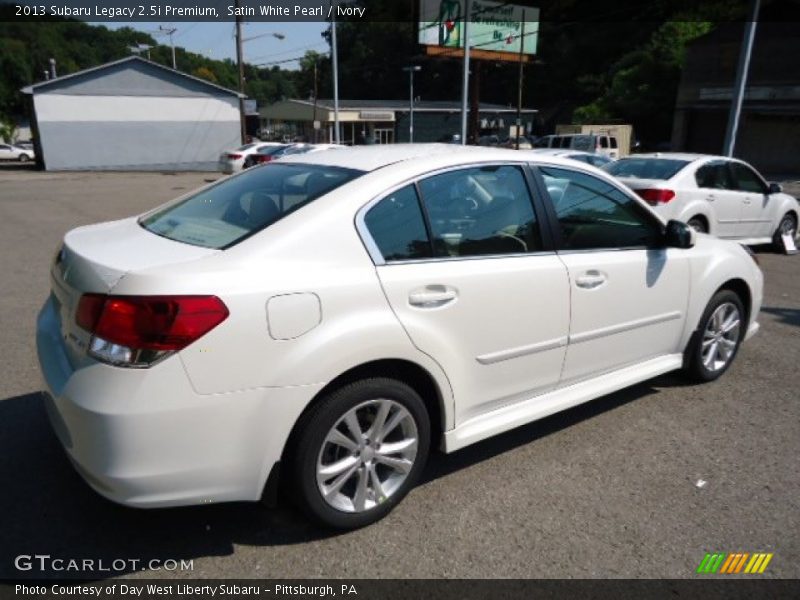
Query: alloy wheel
721	337
367	455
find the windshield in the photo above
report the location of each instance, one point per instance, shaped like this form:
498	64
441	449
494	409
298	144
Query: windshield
236	208
646	168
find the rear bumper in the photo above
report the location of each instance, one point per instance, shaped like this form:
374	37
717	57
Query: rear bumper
145	438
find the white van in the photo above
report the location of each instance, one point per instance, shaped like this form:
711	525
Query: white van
598	143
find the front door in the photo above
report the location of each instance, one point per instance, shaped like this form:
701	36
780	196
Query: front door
629	294
757	211
469	278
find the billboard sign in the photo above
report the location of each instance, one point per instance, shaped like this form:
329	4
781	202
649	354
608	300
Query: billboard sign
493	27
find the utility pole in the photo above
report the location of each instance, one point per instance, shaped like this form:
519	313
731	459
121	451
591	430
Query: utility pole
520	77
741	79
335	76
169	31
240	63
465	77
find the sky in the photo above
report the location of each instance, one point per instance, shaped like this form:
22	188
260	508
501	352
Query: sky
216	40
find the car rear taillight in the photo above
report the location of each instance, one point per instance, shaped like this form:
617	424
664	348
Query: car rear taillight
263	158
234	156
656	196
136	331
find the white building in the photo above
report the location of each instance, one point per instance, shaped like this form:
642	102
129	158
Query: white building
134	115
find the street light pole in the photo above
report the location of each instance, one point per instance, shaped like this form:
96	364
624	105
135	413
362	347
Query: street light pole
521	75
411	70
741	79
240	63
335	58
465	77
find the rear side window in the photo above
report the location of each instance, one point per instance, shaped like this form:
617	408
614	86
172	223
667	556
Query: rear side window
236	208
397	226
480	211
603	141
715	176
646	168
613	142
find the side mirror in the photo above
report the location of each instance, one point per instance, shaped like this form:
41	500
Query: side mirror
775	188
679	235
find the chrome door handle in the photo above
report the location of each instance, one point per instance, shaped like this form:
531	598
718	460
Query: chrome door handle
432	296
711	197
590	280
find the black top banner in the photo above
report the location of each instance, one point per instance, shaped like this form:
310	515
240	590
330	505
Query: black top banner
378	11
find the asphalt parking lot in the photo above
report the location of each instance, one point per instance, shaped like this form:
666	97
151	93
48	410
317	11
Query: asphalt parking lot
608	489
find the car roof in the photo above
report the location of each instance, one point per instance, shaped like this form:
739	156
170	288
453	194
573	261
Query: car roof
559	152
688	156
370	158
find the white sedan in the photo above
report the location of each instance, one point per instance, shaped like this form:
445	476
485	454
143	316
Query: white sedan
233	161
11	152
324	321
713	194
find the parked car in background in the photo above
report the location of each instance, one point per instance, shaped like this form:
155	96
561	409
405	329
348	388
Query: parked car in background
268	155
12	152
265	154
596	160
232	161
587	142
713	194
313	323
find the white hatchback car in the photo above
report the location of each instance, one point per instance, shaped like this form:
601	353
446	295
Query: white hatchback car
325	320
713	194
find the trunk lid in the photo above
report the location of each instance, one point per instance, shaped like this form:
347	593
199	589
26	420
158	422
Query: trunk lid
94	259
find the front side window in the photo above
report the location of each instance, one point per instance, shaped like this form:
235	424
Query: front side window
593	214
398	228
747	180
480	211
613	142
236	208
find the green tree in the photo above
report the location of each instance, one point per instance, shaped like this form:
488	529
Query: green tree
643	84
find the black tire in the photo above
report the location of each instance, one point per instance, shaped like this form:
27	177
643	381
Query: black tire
698	224
24	158
694	365
788	224
309	442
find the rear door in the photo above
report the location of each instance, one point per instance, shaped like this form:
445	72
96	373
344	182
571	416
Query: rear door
715	186
629	293
475	282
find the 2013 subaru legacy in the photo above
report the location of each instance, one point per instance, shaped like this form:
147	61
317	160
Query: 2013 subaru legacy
323	322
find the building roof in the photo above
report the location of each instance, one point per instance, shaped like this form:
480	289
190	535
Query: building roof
402	105
134	61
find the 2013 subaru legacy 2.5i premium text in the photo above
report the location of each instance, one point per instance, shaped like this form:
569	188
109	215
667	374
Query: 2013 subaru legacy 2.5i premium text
339	314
